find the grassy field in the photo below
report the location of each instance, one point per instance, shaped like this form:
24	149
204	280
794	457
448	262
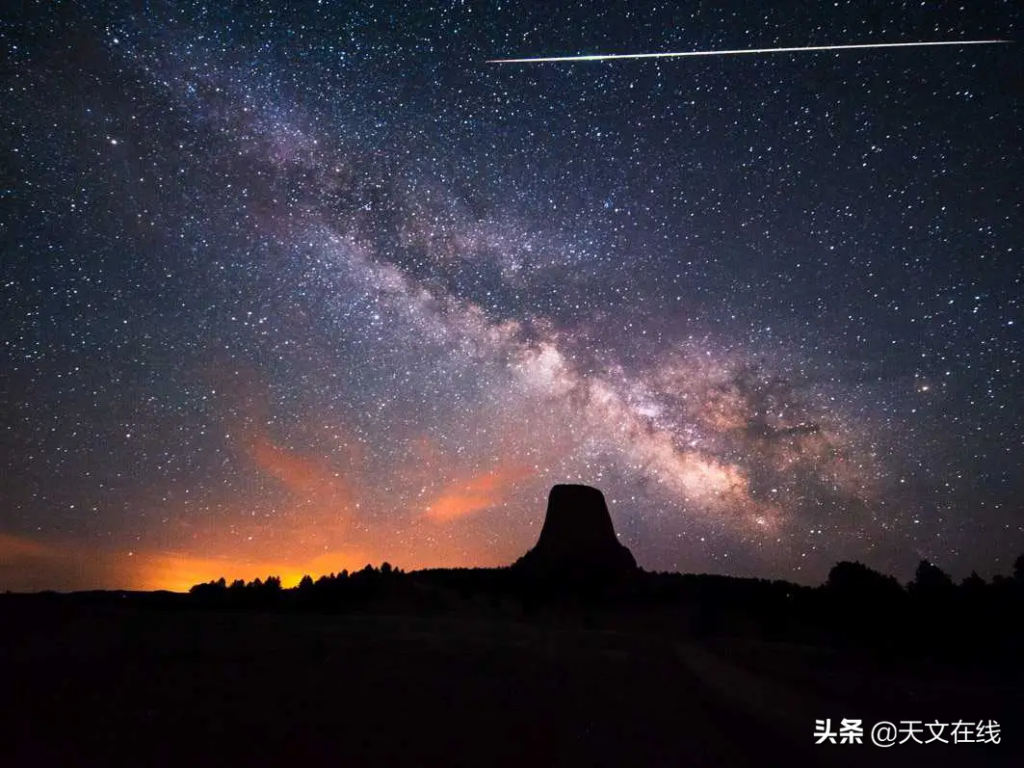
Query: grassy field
88	686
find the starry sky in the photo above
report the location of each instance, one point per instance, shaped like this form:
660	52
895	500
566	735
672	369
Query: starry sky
294	287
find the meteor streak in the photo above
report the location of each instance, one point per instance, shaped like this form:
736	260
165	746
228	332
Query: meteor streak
676	55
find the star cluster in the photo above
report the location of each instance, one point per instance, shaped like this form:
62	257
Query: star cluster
290	287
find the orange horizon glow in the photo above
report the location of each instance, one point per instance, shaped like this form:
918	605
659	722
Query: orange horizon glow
30	565
177	572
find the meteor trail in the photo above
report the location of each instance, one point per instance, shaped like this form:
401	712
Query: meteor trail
675	55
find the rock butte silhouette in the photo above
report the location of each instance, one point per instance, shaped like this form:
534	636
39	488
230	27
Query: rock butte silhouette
578	539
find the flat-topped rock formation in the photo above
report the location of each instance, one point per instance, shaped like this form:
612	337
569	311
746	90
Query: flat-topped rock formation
578	539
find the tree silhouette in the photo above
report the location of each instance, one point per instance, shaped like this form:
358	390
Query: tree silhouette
973	586
931	582
862	603
854	580
212	590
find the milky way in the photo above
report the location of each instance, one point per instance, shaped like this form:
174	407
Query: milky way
295	288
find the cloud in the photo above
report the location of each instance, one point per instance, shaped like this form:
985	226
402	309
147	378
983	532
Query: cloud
17	549
466	497
28	565
307	478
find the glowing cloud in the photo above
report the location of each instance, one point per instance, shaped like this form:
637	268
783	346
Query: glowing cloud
466	497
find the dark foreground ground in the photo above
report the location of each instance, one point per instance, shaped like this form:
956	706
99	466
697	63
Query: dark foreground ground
102	686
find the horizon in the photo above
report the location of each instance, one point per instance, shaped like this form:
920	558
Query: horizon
179	574
292	291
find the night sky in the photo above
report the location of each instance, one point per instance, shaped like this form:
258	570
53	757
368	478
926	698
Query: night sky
294	287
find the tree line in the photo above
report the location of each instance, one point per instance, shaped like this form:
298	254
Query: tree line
856	605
